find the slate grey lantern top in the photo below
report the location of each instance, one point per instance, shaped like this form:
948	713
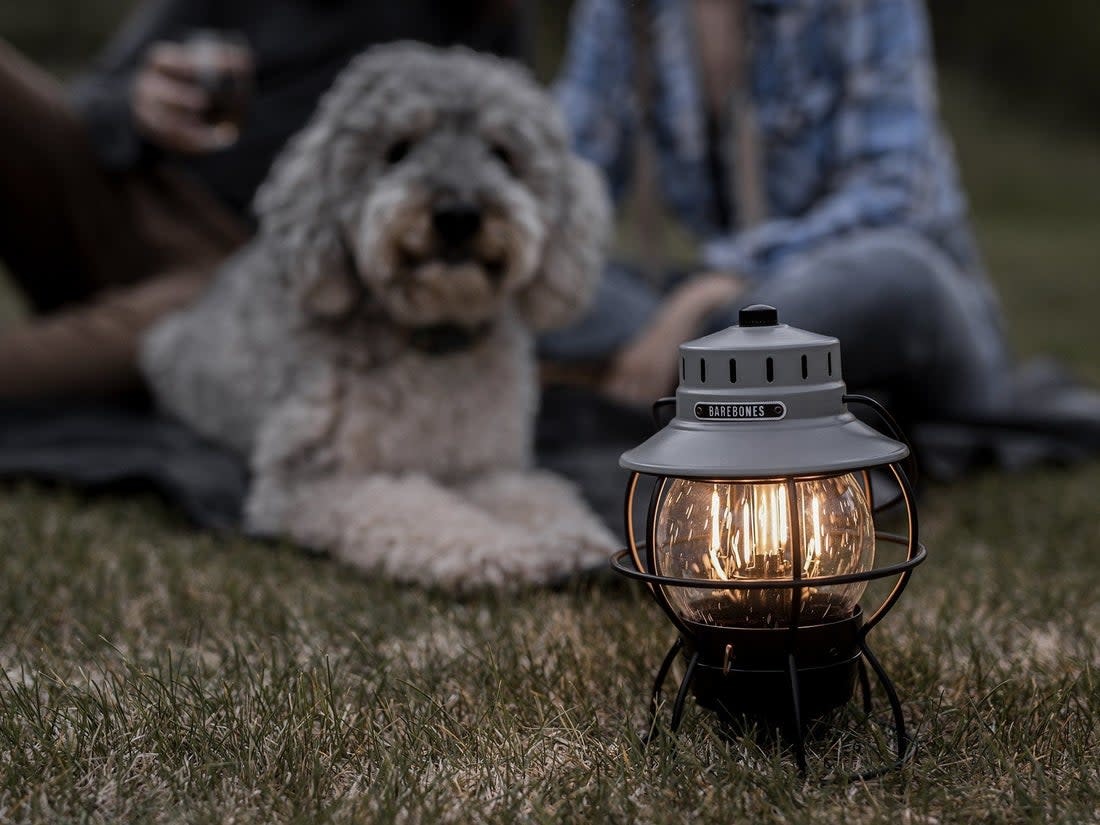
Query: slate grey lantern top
761	400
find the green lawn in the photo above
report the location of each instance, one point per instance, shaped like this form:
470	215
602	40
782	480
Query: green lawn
151	674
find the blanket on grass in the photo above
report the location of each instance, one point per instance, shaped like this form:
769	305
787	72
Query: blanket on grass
579	434
102	447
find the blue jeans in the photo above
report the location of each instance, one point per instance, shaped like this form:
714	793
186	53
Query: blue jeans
916	319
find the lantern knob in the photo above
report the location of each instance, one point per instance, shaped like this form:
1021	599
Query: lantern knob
758	315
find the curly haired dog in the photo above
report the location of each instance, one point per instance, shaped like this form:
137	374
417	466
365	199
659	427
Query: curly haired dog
371	350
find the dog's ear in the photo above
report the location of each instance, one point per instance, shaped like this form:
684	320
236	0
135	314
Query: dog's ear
298	209
299	204
573	252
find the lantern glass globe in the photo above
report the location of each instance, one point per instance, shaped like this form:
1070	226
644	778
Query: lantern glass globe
719	531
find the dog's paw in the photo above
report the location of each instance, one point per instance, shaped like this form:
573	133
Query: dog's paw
413	530
549	510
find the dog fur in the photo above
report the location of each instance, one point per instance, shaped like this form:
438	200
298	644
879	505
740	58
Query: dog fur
303	354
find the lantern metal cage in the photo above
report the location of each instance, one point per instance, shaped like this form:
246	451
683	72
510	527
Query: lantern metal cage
770	642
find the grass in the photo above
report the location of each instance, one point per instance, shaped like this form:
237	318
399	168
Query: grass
149	674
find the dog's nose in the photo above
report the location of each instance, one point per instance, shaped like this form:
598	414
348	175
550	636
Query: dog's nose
456	222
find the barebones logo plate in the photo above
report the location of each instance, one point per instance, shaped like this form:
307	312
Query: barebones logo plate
741	411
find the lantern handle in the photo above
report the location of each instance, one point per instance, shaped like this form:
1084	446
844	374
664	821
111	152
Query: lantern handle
894	429
631	540
915	550
660	404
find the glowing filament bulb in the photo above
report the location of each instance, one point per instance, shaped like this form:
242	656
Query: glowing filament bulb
746	537
814	548
780	494
751	534
716	534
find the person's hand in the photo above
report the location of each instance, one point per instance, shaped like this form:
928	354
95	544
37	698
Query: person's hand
170	106
647	367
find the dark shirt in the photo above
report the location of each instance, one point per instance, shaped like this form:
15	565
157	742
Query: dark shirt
299	46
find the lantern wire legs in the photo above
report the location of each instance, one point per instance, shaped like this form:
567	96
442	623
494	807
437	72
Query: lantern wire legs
904	744
655	697
796	714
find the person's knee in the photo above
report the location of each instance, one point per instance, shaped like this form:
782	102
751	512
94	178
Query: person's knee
879	271
903	260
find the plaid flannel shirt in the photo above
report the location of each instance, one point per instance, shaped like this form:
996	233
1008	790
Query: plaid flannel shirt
845	99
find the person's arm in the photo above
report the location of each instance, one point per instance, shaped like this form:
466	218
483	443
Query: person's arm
883	132
646	368
103	96
594	89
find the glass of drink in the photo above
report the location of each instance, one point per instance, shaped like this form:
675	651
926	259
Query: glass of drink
224	69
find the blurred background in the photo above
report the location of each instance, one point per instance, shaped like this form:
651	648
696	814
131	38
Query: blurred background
1020	91
1042	56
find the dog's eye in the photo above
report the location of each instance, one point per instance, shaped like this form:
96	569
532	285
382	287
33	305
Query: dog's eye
397	151
505	156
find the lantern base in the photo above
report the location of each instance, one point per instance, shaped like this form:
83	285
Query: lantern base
779	678
746	671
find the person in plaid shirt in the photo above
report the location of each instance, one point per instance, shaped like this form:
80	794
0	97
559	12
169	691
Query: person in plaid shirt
799	141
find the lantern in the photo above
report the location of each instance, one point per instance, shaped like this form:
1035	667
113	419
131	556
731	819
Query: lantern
760	535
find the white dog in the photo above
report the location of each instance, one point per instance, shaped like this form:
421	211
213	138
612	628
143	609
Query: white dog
371	351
